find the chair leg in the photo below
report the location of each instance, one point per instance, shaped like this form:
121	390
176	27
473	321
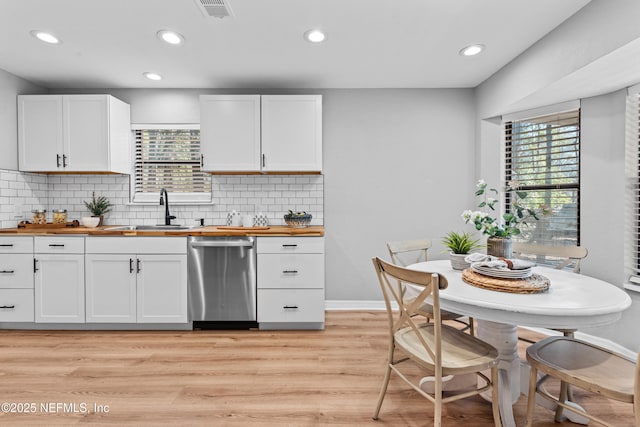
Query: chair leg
472	328
437	408
563	399
495	399
383	391
531	400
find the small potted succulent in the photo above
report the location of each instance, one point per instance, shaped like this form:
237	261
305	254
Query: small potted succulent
460	245
98	206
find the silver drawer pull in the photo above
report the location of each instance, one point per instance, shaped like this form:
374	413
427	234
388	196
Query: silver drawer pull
7	271
8	306
56	245
290	307
290	246
290	271
7	245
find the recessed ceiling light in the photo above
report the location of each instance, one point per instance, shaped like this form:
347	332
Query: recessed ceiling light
314	36
171	37
152	76
472	50
45	37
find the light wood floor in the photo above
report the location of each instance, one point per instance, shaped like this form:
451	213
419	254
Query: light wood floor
215	378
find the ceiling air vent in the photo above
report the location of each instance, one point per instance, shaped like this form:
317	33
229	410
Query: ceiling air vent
216	8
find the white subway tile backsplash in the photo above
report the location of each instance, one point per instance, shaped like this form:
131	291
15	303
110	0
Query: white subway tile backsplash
247	194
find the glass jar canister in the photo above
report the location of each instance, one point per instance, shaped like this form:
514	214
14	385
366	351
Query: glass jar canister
60	216
39	216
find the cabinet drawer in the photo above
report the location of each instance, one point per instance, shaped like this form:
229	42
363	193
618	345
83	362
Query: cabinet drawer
290	305
16	244
16	271
291	271
136	245
59	245
288	245
16	305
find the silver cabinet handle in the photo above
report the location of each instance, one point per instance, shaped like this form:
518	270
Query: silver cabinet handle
8	306
7	245
58	160
56	245
138	269
240	244
290	246
64	160
264	160
130	265
7	271
290	271
35	265
290	307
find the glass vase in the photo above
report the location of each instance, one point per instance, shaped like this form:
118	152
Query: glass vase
500	247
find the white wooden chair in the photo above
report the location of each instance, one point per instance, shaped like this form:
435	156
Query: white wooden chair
407	252
439	349
584	365
558	256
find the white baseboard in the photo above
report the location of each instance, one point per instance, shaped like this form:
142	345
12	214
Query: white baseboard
344	305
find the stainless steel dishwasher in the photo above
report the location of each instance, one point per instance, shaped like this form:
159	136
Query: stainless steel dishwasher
222	282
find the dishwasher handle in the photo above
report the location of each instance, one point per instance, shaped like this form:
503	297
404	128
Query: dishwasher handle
223	244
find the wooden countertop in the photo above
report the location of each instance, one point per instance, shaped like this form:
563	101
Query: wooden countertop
211	230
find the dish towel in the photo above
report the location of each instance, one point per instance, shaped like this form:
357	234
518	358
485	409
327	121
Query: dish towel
482	260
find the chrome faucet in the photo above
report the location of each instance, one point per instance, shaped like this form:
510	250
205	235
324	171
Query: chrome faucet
167	216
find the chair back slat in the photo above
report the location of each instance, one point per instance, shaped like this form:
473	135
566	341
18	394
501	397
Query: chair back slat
566	255
407	252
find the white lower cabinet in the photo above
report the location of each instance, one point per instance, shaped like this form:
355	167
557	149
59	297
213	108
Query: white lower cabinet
16	279
59	279
145	286
291	282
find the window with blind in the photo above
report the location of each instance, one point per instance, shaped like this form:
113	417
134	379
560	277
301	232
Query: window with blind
632	174
543	157
169	157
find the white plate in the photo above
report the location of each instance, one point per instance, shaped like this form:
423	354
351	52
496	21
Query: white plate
504	274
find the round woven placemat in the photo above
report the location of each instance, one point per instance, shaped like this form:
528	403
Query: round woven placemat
533	284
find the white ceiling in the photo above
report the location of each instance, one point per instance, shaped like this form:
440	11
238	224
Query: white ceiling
370	43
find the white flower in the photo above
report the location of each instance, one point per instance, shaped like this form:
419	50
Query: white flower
480	183
491	200
466	215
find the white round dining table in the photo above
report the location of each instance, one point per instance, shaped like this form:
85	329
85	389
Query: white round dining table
573	301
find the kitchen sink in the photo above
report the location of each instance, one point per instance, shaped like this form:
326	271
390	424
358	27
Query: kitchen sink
159	227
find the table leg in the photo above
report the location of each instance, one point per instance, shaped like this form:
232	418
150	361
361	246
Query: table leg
504	338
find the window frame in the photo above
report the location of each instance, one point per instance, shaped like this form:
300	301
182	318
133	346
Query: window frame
152	198
509	175
632	190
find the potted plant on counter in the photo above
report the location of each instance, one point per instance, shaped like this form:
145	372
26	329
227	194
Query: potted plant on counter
98	206
460	245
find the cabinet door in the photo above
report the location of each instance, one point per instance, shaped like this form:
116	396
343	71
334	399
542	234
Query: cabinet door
111	288
40	133
59	288
230	132
292	132
162	289
86	137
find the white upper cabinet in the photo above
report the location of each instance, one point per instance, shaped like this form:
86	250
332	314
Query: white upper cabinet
268	133
230	132
292	133
73	133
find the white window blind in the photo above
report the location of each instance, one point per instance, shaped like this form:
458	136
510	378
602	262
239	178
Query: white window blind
543	155
169	158
632	173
